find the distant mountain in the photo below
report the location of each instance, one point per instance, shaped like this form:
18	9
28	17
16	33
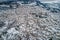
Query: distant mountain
53	7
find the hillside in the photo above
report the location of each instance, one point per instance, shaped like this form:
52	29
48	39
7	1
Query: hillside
28	23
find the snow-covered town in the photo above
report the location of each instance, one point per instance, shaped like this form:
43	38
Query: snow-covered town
31	20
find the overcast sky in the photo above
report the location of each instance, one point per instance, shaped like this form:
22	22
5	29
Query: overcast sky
49	1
